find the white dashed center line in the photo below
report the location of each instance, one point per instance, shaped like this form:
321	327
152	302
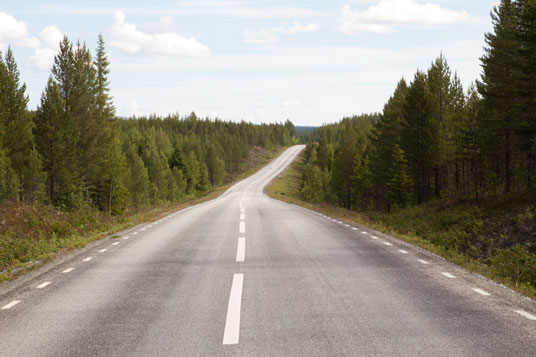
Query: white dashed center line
231	333
11	304
68	270
241	250
480	291
373	237
115	243
403	251
87	259
387	243
241	210
242	217
135	233
127	237
347	225
448	275
526	314
242	227
422	261
103	250
354	228
363	232
45	284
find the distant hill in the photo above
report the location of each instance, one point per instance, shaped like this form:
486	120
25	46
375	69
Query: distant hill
305	129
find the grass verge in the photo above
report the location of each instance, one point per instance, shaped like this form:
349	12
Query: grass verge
33	234
490	238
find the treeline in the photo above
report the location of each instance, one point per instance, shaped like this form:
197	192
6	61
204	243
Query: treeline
73	152
435	140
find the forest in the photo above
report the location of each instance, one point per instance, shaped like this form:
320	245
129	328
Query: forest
74	153
451	168
434	139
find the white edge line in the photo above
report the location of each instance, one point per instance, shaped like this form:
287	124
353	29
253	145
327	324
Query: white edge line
231	332
480	291
11	304
526	314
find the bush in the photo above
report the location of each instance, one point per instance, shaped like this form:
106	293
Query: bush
515	263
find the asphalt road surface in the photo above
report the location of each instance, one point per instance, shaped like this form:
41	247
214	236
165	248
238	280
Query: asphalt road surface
246	275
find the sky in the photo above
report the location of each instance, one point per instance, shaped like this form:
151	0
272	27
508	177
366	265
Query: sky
312	62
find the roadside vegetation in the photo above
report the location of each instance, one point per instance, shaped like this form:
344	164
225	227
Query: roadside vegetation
489	237
447	168
72	172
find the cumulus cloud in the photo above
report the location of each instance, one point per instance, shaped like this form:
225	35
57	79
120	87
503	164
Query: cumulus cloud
131	39
298	27
15	32
42	59
381	18
51	37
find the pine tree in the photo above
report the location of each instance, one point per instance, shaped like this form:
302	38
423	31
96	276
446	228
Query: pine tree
56	141
498	86
471	140
439	84
9	182
420	135
18	124
526	83
399	183
385	135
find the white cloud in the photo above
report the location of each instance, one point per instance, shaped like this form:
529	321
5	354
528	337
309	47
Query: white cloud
298	27
51	37
290	103
381	18
264	37
130	39
15	32
43	59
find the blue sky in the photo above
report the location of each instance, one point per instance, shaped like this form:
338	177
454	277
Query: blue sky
312	62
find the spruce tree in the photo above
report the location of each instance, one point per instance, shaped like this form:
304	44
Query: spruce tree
18	125
526	84
56	140
399	182
498	86
439	84
420	135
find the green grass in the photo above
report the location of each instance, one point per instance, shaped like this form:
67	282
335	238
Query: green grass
34	234
495	238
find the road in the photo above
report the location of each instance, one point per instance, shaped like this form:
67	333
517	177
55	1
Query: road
246	275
